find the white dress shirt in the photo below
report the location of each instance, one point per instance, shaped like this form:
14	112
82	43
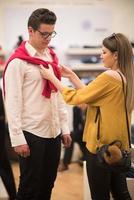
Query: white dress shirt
26	108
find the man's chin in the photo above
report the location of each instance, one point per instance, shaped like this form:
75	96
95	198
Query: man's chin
45	45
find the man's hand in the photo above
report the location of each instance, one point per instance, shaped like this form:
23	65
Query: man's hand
66	140
22	150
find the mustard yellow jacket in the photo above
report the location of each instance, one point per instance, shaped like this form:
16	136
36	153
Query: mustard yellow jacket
107	93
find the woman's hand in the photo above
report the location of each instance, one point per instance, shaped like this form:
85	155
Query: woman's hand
66	72
47	73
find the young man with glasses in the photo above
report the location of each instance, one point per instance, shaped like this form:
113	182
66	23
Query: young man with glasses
35	110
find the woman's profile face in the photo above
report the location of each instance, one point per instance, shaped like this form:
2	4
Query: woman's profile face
108	58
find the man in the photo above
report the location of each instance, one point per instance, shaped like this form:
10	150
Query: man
35	110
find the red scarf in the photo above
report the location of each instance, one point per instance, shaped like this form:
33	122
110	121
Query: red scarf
22	54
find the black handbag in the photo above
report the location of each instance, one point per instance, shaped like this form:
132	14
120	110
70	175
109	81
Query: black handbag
120	160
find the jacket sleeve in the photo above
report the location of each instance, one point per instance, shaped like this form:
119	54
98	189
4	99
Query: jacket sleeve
92	94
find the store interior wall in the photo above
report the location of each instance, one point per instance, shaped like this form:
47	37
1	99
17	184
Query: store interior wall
81	23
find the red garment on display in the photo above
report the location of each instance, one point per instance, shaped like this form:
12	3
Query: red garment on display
22	54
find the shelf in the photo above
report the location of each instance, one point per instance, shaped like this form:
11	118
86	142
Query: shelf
75	57
84	51
88	67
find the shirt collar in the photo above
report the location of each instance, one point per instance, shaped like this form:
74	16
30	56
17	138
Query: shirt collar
32	51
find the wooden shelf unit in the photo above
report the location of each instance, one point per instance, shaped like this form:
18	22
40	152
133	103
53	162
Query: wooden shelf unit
76	57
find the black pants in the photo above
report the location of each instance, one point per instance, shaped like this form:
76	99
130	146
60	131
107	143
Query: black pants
38	171
5	167
7	175
76	137
102	181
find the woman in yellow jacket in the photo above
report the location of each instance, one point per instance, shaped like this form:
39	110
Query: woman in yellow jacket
106	93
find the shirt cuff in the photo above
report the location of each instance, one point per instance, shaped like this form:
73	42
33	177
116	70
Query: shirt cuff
65	130
17	140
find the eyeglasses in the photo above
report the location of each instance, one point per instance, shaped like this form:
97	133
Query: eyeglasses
45	35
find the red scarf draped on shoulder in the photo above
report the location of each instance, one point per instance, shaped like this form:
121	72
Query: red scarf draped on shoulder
22	54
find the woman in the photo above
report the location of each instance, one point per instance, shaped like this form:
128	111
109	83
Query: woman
106	93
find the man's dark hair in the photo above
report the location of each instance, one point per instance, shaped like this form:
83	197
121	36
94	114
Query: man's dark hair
41	16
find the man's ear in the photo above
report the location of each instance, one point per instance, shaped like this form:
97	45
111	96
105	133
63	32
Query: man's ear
30	30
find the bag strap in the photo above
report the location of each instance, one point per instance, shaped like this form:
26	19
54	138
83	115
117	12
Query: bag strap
126	114
98	127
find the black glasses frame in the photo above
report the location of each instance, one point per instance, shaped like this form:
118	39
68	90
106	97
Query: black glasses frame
45	35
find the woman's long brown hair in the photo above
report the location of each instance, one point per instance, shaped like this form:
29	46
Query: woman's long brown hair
120	44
